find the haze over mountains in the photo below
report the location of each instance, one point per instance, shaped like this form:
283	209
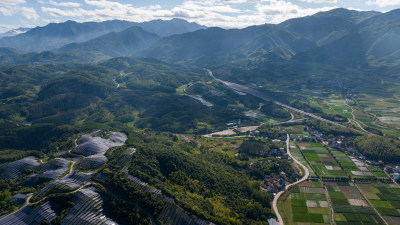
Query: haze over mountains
339	36
56	35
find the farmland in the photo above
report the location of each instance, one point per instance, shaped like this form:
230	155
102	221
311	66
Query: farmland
305	203
349	205
321	160
344	189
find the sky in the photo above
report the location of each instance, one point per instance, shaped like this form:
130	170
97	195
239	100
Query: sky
221	13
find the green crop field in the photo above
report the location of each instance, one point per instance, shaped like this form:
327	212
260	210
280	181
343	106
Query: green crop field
321	160
350	206
298	206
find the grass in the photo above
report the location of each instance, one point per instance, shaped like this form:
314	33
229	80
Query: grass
378	203
387	211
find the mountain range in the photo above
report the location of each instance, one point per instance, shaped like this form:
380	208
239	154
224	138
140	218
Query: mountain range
339	37
55	35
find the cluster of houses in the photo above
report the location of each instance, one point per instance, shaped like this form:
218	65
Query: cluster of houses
344	143
394	171
274	184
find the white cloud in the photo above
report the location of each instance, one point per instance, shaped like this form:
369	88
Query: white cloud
55	12
17	7
11	2
384	3
320	1
277	11
63	4
29	13
222	13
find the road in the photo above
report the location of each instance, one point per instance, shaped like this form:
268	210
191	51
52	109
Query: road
247	90
305	177
355	120
376	211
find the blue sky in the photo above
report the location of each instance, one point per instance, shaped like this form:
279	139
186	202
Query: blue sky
222	13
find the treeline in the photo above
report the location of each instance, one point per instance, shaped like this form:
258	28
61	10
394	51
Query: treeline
271	109
379	148
41	104
255	147
202	182
329	129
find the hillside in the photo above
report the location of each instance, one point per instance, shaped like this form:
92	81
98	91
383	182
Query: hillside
55	35
124	43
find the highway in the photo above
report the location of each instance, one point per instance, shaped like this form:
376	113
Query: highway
251	91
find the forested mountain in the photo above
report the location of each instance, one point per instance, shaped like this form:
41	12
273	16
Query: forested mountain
368	38
113	44
360	37
170	122
56	35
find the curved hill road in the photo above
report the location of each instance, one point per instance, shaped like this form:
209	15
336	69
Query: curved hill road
305	177
247	90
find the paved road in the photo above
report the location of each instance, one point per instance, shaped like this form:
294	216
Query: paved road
305	177
247	90
355	120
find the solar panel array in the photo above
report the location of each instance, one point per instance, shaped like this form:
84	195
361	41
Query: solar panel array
55	169
27	216
72	181
96	147
15	169
19	199
93	161
171	213
87	210
126	158
84	138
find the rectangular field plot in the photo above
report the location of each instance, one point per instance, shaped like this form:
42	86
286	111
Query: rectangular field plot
305	204
384	199
350	206
356	168
298	156
321	160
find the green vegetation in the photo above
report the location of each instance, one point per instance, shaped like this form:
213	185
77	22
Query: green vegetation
381	148
300	205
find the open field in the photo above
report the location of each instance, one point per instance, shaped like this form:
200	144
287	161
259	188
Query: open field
356	168
297	154
335	105
321	160
305	204
384	198
350	206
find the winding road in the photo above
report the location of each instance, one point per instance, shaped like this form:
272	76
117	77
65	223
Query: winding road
247	90
305	177
355	120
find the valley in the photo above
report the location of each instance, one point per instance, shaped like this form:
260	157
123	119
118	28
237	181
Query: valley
173	122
